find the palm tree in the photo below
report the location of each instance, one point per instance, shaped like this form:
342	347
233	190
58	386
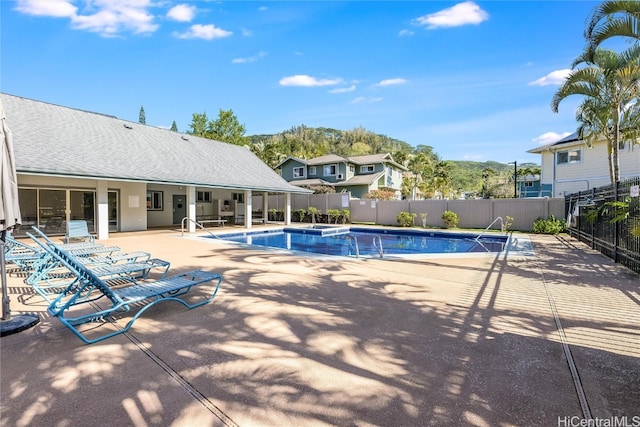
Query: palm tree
612	18
610	84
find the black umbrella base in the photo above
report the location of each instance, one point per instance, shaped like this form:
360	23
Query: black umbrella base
17	323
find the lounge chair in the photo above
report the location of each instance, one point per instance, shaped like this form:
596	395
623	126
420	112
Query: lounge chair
88	287
78	230
49	276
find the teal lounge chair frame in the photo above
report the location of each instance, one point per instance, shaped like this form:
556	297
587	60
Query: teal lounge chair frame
77	229
89	287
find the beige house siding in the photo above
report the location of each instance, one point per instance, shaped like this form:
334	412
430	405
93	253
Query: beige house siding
546	170
592	171
630	162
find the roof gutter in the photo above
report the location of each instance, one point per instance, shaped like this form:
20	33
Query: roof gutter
294	189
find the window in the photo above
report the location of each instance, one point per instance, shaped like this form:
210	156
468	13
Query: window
352	169
312	170
528	183
298	172
569	156
366	168
238	197
330	170
203	196
154	200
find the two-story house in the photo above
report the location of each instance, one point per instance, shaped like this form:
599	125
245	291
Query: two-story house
357	174
569	165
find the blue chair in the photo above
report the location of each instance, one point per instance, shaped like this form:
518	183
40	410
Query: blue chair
77	229
89	287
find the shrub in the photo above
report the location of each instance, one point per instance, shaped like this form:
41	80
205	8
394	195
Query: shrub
313	211
450	219
405	219
334	215
301	213
380	195
508	222
345	215
551	225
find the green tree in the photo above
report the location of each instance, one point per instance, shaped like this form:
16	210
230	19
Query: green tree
612	18
442	179
198	126
174	126
225	128
142	118
420	168
486	190
609	84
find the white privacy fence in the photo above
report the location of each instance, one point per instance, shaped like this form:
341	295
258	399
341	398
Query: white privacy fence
471	213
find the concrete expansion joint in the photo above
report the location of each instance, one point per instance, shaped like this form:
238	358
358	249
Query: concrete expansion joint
573	369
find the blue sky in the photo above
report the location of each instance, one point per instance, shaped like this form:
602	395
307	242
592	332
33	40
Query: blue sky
472	79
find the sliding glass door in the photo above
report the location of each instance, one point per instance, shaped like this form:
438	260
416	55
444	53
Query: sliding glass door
52	205
47	209
82	206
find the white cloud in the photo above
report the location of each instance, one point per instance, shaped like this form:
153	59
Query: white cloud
253	58
455	16
182	13
307	81
106	17
205	32
366	99
53	8
343	89
115	16
406	33
553	78
391	82
550	137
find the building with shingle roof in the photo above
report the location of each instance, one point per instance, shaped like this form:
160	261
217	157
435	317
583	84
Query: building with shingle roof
358	175
126	176
569	165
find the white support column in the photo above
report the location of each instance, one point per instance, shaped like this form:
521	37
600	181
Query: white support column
265	206
102	221
191	208
248	203
287	209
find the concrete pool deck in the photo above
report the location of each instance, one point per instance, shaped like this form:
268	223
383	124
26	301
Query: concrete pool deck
297	340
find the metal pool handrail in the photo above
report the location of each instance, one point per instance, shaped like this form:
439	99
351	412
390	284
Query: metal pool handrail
490	225
379	246
351	237
197	225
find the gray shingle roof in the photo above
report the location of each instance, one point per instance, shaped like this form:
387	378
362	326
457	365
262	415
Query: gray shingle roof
572	138
361	180
54	140
308	182
328	158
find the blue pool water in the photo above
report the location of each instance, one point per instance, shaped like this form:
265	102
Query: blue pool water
341	241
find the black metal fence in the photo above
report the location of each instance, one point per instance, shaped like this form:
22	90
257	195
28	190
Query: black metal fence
608	219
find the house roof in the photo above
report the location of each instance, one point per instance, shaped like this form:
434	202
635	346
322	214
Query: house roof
310	182
568	140
59	141
329	158
334	158
360	180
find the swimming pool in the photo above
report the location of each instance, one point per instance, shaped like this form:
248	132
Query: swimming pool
369	242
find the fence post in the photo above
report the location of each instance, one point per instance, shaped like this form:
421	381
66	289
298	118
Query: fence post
616	228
